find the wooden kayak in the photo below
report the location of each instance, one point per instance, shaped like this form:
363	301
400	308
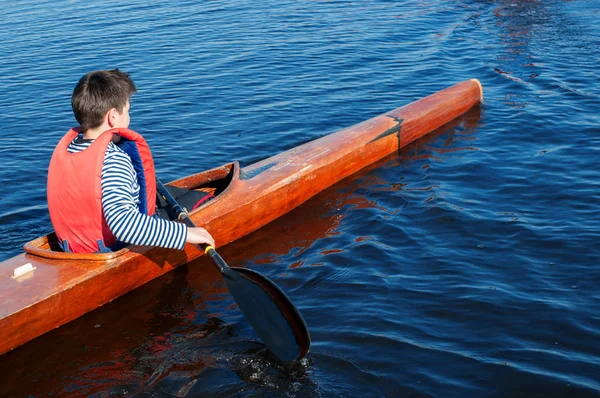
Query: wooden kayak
44	288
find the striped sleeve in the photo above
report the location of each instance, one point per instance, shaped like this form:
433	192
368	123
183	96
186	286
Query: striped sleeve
120	198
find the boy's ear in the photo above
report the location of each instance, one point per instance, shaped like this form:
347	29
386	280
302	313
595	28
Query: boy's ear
112	117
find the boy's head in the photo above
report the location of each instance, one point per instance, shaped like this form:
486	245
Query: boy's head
97	93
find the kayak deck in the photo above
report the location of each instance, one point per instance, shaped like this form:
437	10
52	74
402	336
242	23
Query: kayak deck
64	286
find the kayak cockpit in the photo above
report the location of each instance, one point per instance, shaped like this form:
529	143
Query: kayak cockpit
215	181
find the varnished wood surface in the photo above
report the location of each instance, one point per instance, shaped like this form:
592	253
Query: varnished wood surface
66	286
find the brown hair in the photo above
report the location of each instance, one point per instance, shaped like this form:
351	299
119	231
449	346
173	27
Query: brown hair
97	93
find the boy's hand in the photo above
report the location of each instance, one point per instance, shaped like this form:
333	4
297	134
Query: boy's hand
199	235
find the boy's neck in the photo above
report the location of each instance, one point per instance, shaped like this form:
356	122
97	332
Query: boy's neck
92	134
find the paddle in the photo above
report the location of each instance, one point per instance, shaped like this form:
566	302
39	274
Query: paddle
266	307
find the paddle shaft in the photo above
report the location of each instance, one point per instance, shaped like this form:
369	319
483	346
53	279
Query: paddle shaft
210	251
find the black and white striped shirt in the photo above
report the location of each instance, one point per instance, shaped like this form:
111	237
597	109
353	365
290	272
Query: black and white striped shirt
120	201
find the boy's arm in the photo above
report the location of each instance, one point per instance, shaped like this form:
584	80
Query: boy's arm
123	217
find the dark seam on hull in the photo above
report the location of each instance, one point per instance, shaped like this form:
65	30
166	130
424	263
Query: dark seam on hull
393	130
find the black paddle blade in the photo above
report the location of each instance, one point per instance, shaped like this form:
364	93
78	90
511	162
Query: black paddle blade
268	309
270	312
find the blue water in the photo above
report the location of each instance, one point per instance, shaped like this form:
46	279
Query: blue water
465	265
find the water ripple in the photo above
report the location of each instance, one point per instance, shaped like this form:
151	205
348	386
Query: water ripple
464	265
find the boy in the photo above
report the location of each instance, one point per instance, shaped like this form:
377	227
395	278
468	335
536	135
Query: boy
102	196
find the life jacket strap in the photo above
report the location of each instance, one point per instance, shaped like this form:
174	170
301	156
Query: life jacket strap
64	245
101	247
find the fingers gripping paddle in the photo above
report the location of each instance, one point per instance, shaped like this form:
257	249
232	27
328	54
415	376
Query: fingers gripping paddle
266	307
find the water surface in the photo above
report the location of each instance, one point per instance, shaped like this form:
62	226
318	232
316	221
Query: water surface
465	265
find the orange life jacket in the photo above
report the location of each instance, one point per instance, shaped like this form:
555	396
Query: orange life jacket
75	191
